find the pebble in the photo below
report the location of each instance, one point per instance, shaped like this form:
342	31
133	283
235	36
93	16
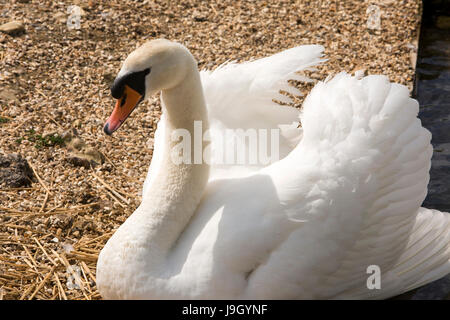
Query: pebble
60	17
8	94
12	28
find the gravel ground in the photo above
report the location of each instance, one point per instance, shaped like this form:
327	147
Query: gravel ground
54	99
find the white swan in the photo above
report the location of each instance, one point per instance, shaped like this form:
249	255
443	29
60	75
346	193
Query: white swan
345	195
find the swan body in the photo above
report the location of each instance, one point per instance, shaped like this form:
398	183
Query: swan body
344	195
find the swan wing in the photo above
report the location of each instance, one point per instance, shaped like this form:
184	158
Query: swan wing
356	181
239	96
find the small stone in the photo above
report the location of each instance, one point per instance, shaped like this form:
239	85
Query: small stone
413	59
7	94
67	247
19	71
12	28
77	123
82	12
199	17
60	17
150	143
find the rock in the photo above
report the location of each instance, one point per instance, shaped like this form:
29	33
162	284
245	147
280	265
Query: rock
150	143
12	28
199	17
15	172
76	9
413	59
19	71
7	94
78	161
77	123
84	194
413	53
60	17
62	221
443	22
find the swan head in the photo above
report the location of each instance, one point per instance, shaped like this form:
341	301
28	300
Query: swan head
156	65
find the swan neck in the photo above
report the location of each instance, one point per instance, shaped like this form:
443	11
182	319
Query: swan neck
176	191
184	103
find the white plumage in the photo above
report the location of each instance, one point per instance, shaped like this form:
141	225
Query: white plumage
345	195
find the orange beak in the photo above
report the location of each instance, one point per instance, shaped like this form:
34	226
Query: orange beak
124	106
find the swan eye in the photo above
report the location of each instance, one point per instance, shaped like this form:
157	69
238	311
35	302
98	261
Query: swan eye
135	80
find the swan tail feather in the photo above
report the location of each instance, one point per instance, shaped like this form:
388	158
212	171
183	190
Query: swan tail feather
425	259
427	255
